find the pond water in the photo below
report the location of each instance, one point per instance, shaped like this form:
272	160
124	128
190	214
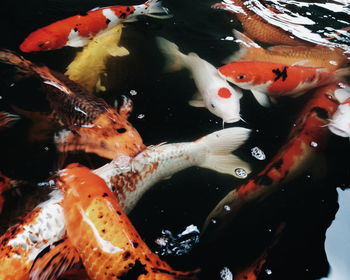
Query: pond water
305	206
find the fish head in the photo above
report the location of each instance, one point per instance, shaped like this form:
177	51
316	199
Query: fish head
109	136
238	73
340	122
223	101
41	40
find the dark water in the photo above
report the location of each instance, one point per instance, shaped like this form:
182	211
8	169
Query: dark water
307	205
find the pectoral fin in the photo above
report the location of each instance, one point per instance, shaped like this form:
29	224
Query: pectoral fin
54	260
118	51
197	100
262	98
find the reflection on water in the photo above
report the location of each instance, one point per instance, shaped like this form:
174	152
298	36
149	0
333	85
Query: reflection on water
273	224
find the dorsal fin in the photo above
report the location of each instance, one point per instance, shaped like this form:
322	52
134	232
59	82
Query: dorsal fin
54	260
248	48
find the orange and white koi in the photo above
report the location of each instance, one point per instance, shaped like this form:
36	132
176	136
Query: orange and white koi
131	178
340	122
91	124
76	31
214	92
315	56
275	80
97	227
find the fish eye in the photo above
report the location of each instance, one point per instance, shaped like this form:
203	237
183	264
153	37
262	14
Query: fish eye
241	77
212	105
121	130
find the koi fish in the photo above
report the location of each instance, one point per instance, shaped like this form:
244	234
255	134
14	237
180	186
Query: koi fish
131	178
76	31
256	27
306	140
315	56
23	242
90	64
214	92
129	181
107	242
340	122
274	79
90	123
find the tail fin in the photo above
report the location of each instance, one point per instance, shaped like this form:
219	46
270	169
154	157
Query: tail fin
174	58
220	144
7	119
341	73
248	48
154	8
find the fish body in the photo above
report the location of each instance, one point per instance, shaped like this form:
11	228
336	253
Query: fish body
107	242
340	122
314	56
214	92
89	64
76	31
130	180
91	125
306	140
256	27
276	80
22	243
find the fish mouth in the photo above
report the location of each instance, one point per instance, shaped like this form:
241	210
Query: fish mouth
339	131
232	120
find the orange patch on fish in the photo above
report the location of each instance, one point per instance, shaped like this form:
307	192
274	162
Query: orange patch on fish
224	93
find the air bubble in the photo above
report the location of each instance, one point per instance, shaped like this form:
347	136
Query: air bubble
133	92
313	144
141	116
258	153
241	173
268	271
227	208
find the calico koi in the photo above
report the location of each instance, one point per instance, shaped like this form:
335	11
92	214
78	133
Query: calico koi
314	56
107	242
275	80
214	92
90	64
90	123
306	139
76	31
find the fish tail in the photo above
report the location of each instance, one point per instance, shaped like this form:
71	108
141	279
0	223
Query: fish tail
7	119
9	57
248	49
220	146
174	58
341	73
155	9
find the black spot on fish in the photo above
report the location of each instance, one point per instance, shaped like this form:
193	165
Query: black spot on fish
263	180
75	29
108	21
126	255
137	269
105	194
135	244
280	74
321	113
277	165
40	45
121	130
123	15
119	213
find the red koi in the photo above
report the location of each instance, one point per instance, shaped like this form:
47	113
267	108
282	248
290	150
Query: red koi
100	231
306	140
275	79
76	31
